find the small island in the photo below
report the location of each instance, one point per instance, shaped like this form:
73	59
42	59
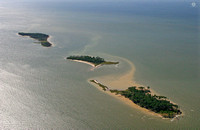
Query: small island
94	61
42	38
142	96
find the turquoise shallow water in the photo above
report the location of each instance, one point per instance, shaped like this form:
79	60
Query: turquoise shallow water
39	89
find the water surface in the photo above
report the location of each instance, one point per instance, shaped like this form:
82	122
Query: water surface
39	89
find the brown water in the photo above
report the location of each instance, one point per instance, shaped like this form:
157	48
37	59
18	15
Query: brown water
39	89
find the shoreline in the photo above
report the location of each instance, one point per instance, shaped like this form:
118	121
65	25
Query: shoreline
49	39
124	81
88	63
85	62
127	101
95	62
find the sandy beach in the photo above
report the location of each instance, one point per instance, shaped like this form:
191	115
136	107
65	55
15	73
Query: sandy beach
50	40
127	101
91	64
122	82
85	62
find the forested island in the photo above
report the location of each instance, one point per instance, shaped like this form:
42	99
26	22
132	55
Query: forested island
91	59
42	38
142	96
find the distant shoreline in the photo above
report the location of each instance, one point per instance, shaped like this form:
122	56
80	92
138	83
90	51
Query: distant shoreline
92	61
42	38
85	62
50	40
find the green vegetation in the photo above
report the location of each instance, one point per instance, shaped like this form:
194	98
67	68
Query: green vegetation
42	38
94	60
158	104
142	97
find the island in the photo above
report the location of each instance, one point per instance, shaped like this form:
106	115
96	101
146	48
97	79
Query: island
94	61
143	97
42	38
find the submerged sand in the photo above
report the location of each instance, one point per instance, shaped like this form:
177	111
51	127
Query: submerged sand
122	82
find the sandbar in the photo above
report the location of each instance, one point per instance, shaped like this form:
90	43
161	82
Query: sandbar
122	82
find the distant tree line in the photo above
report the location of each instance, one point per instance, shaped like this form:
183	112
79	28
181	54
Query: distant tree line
42	38
38	36
95	60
